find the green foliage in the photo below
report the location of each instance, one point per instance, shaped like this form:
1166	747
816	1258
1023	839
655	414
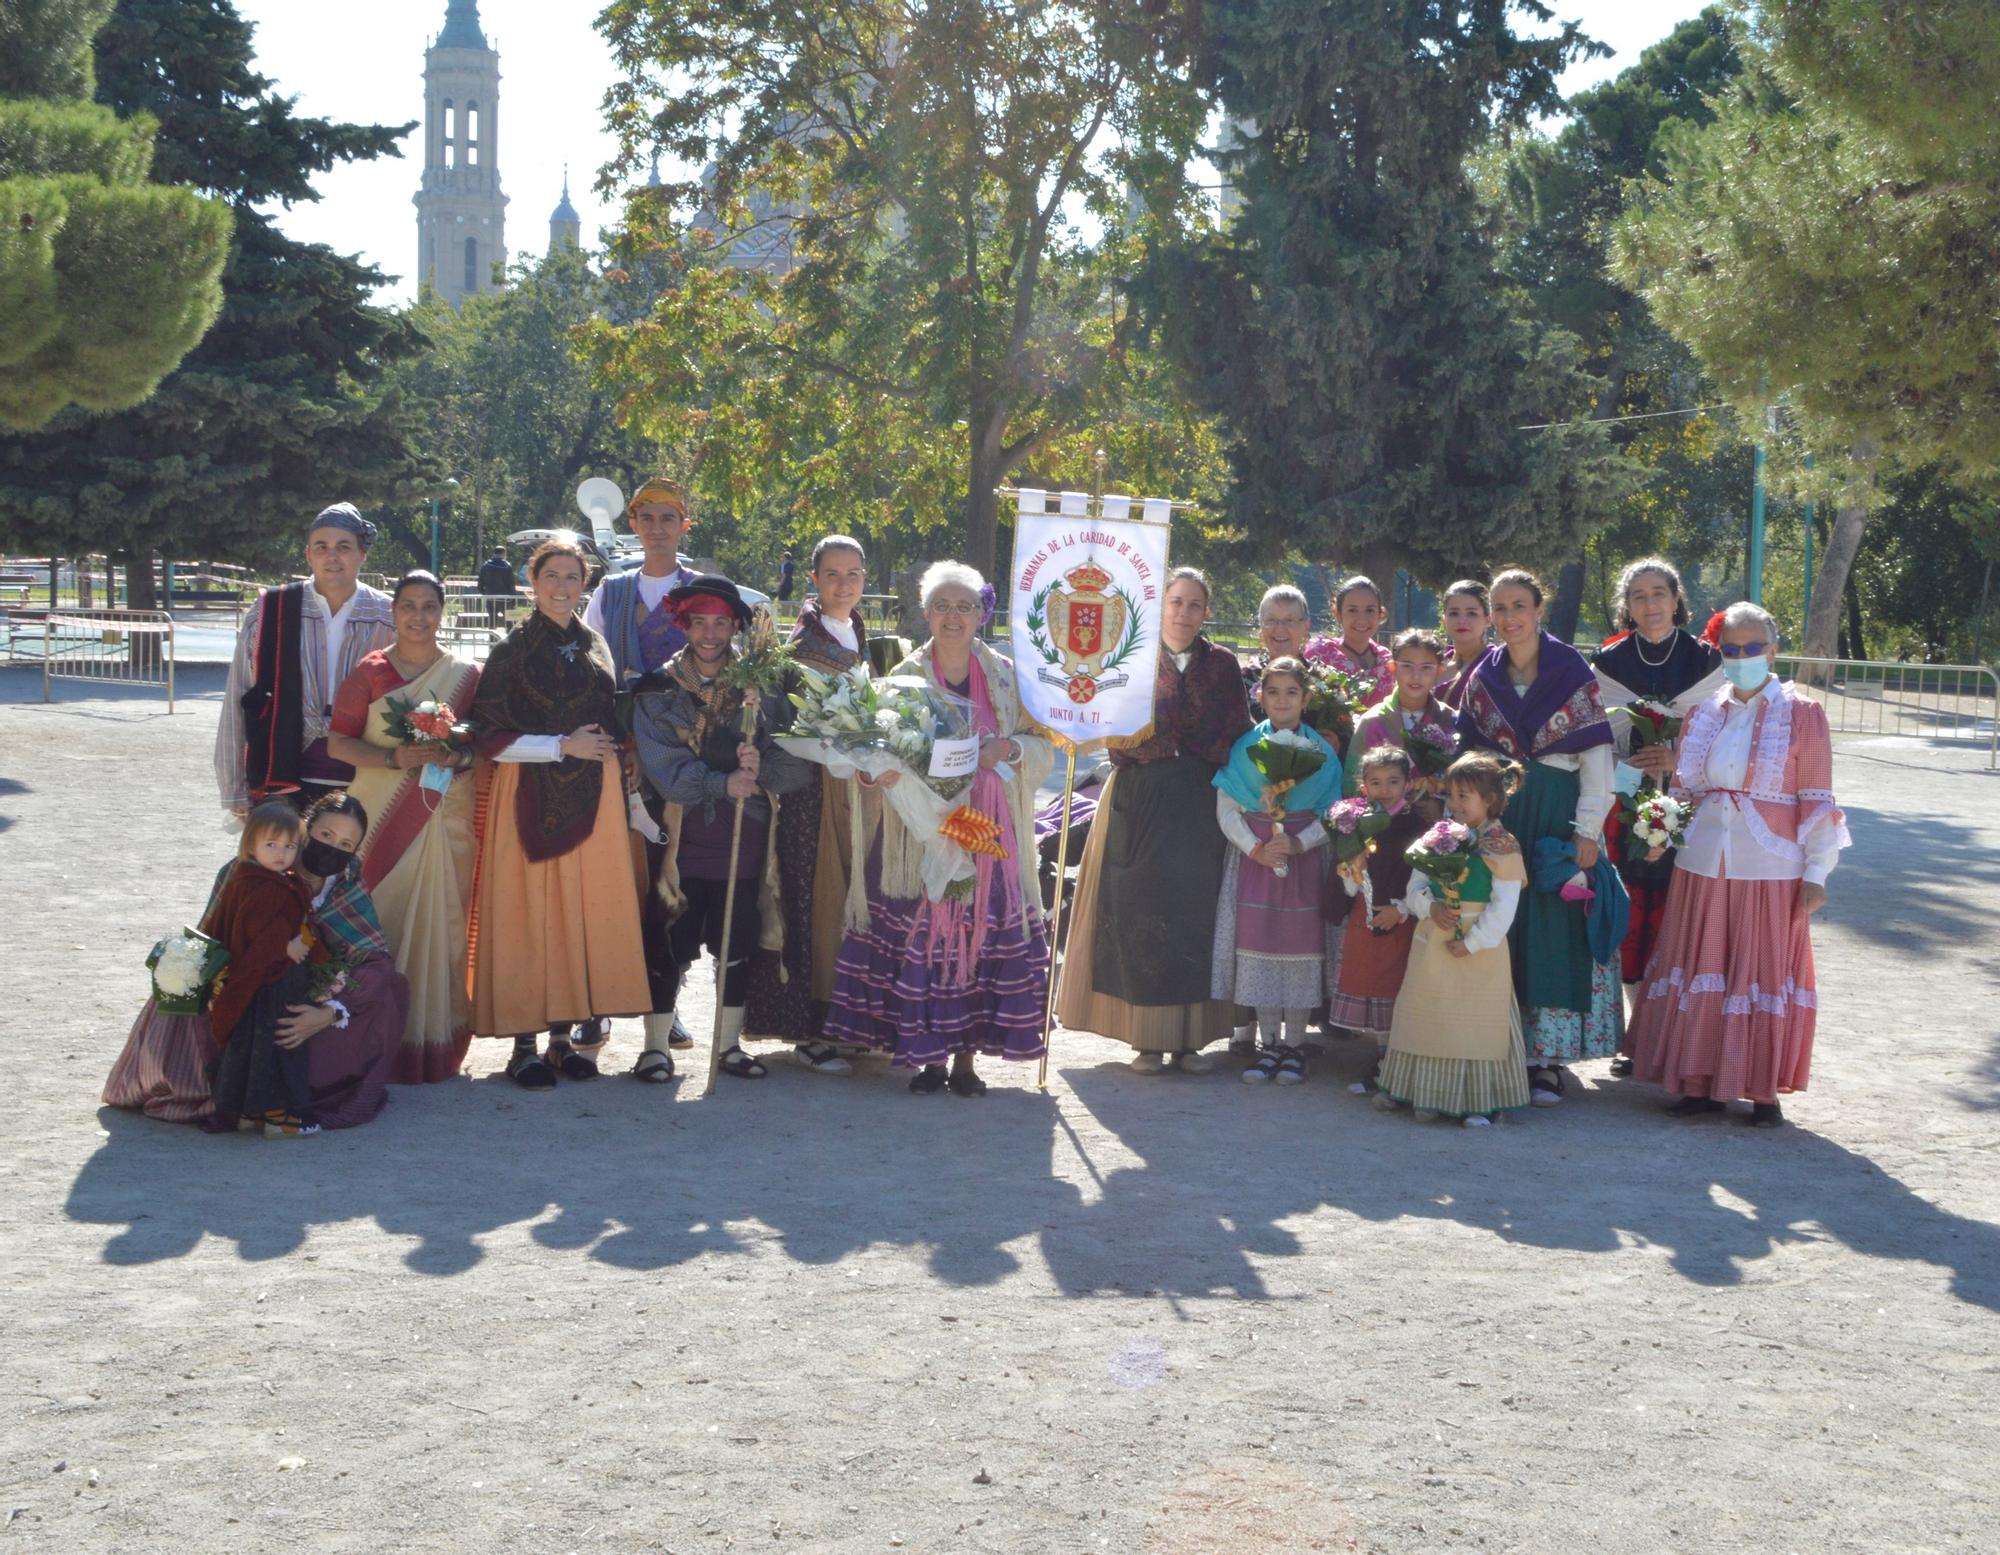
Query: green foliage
508	409
882	301
279	410
1350	329
106	280
1832	249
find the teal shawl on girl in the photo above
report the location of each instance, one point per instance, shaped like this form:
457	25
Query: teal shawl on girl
1241	781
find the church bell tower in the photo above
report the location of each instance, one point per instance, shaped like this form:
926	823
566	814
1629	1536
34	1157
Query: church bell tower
461	213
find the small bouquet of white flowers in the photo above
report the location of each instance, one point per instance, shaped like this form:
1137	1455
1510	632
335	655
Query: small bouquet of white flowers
185	967
1655	822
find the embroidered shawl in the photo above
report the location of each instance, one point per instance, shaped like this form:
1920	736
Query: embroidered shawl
814	645
1562	713
1373	666
549	679
1196	712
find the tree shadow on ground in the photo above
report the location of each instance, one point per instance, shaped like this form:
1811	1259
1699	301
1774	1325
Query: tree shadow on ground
613	1170
11	786
1595	1176
825	1169
1925	877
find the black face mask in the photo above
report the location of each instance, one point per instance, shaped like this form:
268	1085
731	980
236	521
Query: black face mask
324	859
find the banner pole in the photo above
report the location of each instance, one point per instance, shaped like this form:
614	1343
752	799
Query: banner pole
1055	923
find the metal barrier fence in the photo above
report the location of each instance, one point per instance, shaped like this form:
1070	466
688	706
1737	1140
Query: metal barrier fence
123	647
1928	701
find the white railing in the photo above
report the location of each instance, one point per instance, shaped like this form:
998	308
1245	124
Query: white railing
116	647
1924	701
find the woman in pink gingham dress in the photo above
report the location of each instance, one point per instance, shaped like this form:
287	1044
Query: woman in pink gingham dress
1729	1001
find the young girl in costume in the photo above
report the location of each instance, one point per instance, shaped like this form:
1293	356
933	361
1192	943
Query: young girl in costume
1359	608
1409	716
1270	942
1376	942
258	917
1455	1042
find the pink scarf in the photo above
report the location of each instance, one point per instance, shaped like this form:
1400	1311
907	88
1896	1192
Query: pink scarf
961	925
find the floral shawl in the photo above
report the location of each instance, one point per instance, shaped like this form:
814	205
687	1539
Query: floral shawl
1562	713
1197	712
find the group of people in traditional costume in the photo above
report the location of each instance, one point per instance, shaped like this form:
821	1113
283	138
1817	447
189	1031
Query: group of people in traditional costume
615	800
1479	997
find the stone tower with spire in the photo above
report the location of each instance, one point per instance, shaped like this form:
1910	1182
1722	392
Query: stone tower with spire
461	213
565	226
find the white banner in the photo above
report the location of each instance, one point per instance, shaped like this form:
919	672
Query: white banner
1084	610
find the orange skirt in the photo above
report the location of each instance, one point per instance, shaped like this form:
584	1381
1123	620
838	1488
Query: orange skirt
558	940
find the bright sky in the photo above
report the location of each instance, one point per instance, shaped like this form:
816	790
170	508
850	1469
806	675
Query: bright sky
554	68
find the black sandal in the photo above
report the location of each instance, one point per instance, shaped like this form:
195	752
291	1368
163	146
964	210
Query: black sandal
679	1040
531	1072
964	1082
654	1067
1695	1107
1264	1069
1621	1068
742	1066
572	1064
930	1081
1766	1114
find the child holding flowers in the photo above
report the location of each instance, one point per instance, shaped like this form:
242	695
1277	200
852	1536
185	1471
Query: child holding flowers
1270	942
1413	720
258	918
1372	831
1455	1044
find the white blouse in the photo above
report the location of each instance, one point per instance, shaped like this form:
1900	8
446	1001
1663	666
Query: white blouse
1720	846
1594	770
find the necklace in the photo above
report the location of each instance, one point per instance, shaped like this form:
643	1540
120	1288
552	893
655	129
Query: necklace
1639	647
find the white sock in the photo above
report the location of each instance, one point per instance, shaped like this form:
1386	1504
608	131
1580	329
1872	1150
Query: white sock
659	1028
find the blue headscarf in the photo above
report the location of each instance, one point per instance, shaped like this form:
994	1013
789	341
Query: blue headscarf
1241	781
344	515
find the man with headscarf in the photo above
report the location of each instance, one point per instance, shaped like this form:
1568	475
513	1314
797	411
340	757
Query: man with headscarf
631	612
698	767
297	644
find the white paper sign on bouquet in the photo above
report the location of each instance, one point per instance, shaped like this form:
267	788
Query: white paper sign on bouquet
955	758
1085	607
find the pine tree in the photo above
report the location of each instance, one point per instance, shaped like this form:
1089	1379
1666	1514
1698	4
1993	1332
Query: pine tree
1349	327
106	279
1833	250
279	410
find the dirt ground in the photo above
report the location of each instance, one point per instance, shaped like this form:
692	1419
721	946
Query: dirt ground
1172	1316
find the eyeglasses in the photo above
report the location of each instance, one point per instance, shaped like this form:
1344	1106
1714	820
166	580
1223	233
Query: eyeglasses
954	607
1270	621
1744	650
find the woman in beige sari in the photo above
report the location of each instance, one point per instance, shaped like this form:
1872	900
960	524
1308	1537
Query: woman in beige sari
417	859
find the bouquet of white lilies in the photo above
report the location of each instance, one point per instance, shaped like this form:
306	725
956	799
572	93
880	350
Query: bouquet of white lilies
856	726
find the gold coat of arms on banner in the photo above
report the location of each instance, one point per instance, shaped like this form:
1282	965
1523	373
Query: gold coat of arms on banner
1083	632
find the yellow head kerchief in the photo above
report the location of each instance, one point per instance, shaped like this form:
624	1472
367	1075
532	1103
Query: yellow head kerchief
660	492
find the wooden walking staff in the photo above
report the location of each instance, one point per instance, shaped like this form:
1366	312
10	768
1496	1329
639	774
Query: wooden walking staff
748	725
1055	919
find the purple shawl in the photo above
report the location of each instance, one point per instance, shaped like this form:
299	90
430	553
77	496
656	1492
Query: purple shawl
1562	713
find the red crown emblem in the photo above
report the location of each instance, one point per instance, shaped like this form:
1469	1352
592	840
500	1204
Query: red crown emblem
1089	578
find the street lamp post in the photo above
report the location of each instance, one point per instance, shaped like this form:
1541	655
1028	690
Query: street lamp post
451	484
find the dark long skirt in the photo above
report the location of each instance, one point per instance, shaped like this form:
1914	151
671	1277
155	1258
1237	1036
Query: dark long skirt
1161	877
252	1075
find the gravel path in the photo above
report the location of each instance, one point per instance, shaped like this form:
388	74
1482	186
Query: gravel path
1173	1316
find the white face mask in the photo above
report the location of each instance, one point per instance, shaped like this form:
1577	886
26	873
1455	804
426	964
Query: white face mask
1747	674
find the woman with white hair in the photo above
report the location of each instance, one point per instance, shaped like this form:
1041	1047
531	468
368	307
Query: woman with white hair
1729	998
937	983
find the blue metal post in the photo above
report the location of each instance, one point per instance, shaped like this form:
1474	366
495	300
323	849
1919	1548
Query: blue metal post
1754	584
1805	613
434	539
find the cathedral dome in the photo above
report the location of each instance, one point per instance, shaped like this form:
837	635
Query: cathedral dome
461	26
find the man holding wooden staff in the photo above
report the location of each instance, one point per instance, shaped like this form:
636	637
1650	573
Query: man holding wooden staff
696	759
